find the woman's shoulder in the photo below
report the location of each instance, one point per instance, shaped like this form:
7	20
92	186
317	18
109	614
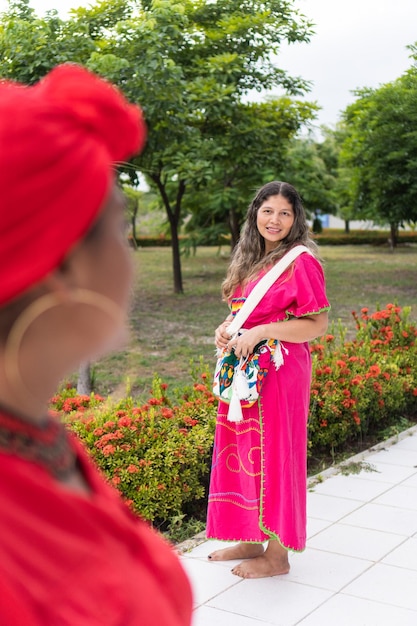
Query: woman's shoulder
308	260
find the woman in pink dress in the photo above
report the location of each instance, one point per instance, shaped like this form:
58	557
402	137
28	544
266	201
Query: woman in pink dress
259	471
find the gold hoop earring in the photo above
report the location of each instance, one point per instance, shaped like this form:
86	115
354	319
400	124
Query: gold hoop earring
33	312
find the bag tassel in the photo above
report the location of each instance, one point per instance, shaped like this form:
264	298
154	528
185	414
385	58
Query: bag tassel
234	414
278	356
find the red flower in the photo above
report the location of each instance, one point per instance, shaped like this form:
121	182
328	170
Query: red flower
124	421
108	450
374	370
155	402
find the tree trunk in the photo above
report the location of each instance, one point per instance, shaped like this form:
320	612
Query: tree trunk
174	219
234	228
84	386
347	227
133	222
393	240
176	260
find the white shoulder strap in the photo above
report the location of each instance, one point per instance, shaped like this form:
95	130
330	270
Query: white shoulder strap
262	287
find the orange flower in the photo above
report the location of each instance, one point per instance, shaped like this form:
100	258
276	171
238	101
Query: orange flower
124	421
108	450
200	387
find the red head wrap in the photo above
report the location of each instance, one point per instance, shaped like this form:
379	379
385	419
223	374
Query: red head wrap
59	140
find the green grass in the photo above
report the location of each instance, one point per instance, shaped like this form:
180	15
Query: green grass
367	276
169	331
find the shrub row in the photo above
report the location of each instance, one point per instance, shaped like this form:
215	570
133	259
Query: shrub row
158	453
328	237
363	386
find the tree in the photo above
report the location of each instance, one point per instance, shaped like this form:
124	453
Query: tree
30	46
380	151
311	167
252	147
191	65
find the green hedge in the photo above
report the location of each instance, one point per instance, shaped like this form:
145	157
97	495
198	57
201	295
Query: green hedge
329	237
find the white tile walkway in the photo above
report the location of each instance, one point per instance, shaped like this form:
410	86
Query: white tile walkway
360	565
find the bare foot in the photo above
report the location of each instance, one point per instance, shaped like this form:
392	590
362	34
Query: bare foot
240	551
273	562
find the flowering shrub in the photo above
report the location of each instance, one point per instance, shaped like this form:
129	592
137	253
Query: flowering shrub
157	454
361	386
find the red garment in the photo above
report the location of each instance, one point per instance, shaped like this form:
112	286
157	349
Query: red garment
59	141
69	559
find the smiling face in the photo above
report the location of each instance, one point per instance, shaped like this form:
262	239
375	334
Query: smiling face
274	220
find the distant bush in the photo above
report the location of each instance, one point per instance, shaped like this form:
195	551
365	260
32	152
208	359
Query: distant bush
335	237
326	237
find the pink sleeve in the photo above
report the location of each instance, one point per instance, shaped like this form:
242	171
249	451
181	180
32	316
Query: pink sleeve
307	288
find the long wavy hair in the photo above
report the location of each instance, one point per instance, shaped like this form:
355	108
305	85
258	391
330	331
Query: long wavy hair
249	256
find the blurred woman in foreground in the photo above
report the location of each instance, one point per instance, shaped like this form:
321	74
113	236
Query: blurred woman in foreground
71	553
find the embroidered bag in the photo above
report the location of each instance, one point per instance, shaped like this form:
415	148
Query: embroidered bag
238	382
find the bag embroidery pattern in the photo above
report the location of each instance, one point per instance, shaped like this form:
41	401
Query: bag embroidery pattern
246	375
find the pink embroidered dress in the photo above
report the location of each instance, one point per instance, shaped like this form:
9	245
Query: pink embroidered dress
258	482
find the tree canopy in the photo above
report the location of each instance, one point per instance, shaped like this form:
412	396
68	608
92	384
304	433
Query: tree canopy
380	151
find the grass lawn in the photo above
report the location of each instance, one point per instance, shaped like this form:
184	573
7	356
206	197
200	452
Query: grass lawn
169	331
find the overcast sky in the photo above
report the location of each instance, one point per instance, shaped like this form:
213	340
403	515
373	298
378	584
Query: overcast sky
358	43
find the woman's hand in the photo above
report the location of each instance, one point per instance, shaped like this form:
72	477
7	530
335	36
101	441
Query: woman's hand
221	335
246	342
